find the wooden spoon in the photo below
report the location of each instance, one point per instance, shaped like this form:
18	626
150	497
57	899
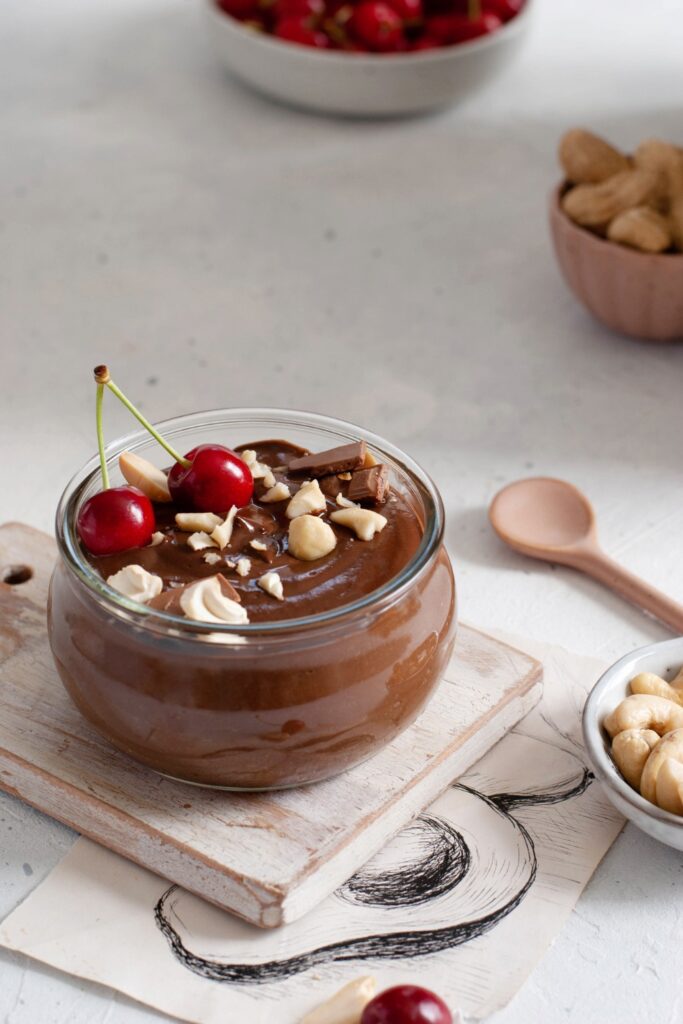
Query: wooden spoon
552	519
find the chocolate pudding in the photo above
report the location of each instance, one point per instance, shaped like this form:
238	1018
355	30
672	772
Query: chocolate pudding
353	569
329	656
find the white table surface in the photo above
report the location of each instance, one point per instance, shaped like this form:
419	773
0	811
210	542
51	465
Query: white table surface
217	249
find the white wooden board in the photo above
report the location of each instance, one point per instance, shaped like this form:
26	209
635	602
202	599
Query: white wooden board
267	857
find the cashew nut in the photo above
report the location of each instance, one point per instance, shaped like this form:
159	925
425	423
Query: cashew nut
648	682
669	747
346	1006
670	786
645	711
630	750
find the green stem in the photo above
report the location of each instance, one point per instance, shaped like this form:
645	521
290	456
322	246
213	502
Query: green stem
474	9
147	425
100	436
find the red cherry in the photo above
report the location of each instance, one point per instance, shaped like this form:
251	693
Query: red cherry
378	26
504	9
406	1004
298	30
117	519
298	8
454	28
241	9
216	480
410	11
426	42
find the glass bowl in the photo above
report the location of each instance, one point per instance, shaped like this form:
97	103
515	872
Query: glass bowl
265	705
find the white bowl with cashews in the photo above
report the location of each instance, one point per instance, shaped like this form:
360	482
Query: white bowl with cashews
633	731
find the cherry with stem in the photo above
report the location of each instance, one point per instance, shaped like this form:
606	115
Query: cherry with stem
209	478
116	518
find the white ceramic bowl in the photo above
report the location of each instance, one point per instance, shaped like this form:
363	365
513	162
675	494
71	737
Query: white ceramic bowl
665	659
359	84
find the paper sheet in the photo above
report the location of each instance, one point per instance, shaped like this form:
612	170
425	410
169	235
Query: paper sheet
465	900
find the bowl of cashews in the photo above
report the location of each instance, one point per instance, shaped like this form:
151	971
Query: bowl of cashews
633	731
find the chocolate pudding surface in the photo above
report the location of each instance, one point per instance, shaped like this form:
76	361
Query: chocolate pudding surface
353	570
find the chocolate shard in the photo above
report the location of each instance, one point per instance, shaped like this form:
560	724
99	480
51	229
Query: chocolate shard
228	589
369	485
334	460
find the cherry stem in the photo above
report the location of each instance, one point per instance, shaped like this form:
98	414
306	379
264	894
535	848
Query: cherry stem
100	436
474	9
104	380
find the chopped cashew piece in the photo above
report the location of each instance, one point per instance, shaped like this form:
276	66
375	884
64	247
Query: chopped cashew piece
202	522
157	538
346	1007
212	558
311	538
363	521
199	541
345	503
272	584
258	545
370	460
259	470
309	498
630	750
136	583
243	566
142	474
222	533
279	492
205	602
648	682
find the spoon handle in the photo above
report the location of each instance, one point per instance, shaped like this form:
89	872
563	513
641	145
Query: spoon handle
605	570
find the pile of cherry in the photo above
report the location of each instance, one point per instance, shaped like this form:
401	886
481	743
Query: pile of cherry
374	26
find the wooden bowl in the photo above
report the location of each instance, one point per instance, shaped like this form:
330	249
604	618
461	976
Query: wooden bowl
636	293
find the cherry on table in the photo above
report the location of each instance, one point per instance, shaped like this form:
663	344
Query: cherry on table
215	480
116	519
378	26
406	1004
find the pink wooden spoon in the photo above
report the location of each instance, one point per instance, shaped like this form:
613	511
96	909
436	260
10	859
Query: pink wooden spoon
552	519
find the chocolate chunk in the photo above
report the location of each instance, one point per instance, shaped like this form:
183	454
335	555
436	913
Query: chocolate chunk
334	460
369	485
331	486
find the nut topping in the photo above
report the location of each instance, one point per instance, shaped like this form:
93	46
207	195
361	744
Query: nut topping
311	538
199	541
206	601
363	521
136	583
212	558
258	545
272	584
140	473
223	530
157	538
203	522
243	567
309	498
259	470
277	493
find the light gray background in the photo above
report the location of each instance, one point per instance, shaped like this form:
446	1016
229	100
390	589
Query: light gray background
217	249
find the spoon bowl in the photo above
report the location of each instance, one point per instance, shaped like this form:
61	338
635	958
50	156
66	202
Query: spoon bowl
542	516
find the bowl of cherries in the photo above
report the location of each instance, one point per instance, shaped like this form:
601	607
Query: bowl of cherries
368	57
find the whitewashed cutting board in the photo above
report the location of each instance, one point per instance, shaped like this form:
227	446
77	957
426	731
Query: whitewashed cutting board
268	857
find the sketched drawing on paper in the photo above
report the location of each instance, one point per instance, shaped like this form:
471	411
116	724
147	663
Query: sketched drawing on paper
446	879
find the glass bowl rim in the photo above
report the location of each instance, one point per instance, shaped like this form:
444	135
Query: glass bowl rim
142	616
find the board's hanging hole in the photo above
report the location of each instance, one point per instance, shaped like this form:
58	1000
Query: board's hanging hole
14	575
